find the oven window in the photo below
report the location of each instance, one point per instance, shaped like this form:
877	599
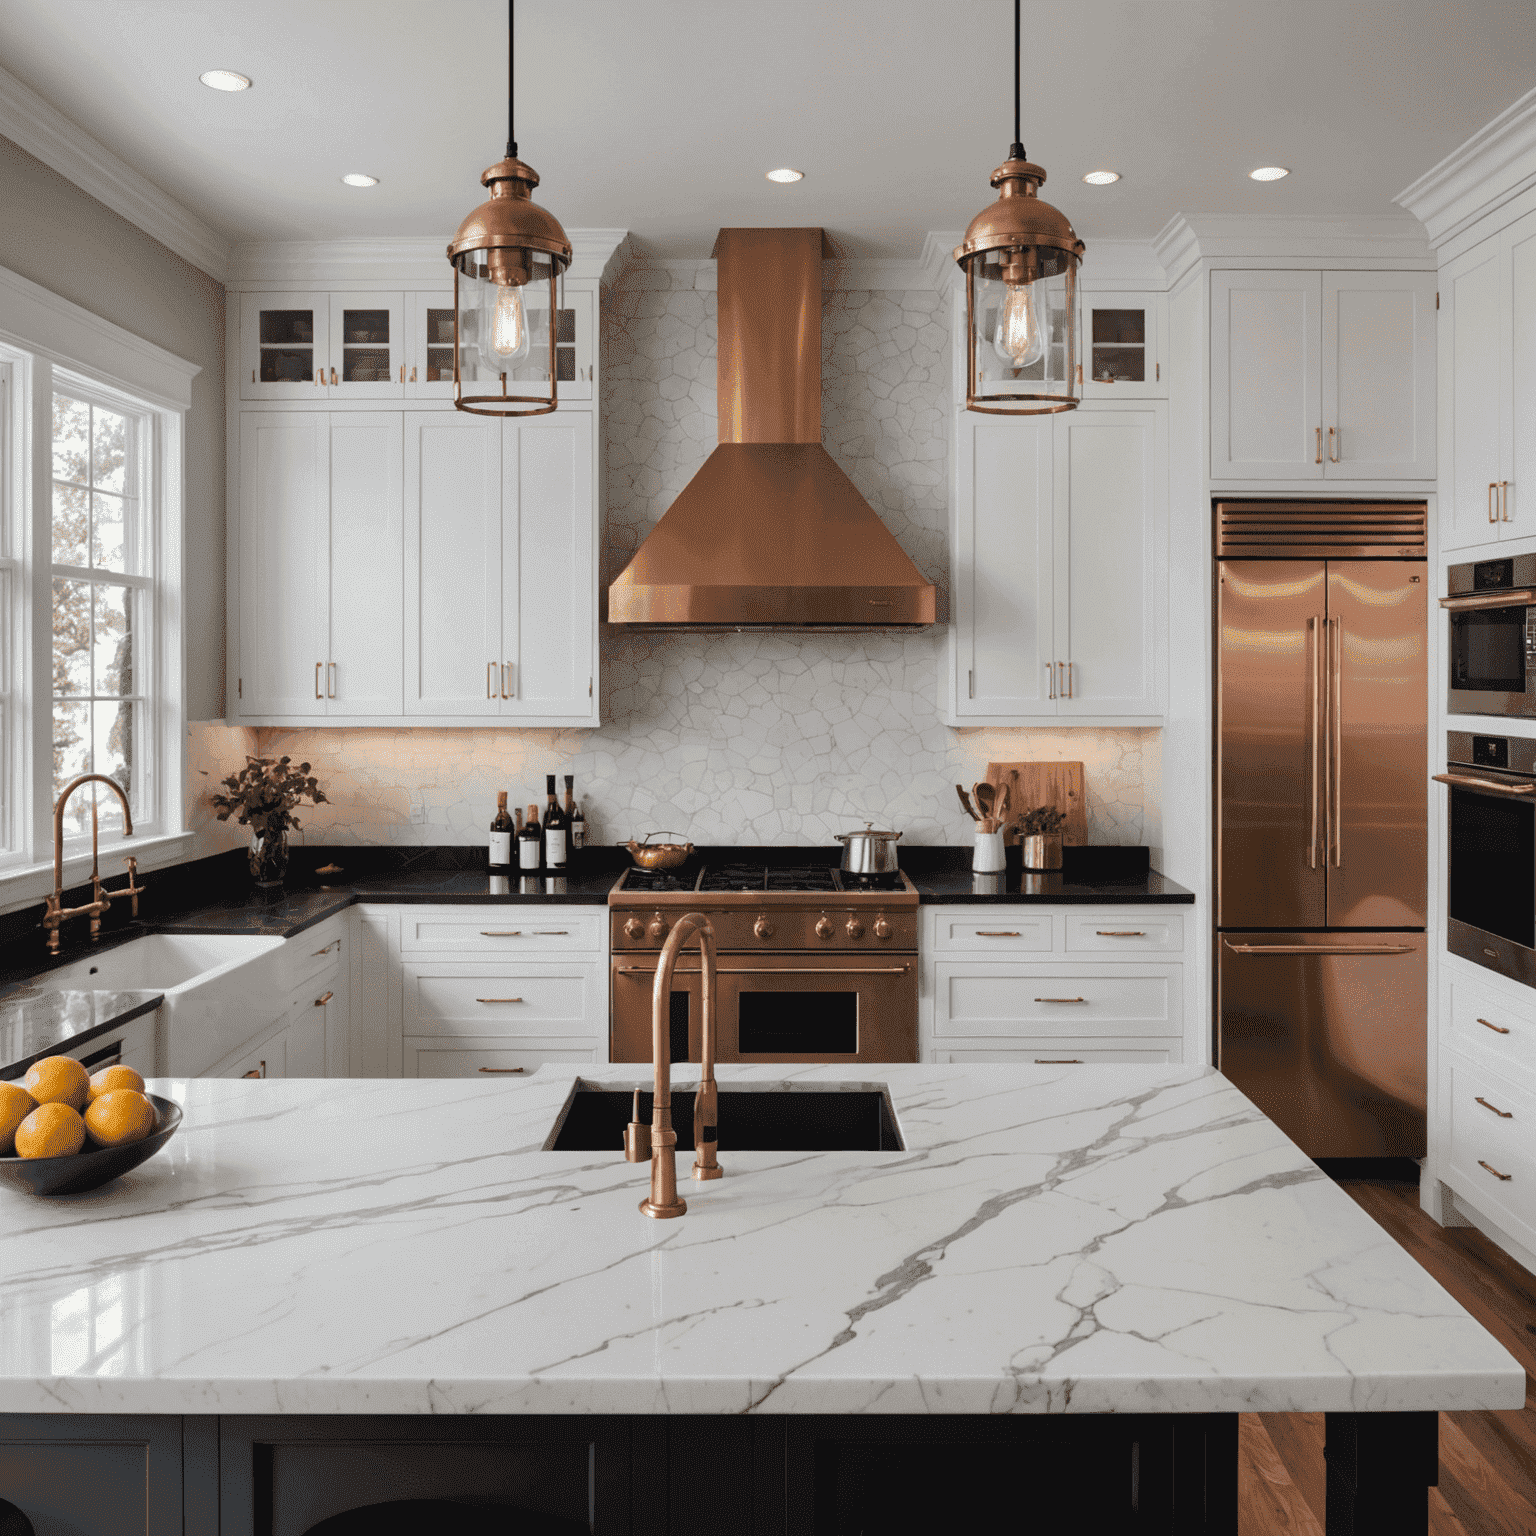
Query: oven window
1493	865
1488	650
797	1023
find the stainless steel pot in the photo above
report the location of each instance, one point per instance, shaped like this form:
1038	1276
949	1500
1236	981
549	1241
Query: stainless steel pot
869	852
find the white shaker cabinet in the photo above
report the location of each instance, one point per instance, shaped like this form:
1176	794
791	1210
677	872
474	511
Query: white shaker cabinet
499	566
317	562
320	347
1060	567
1322	376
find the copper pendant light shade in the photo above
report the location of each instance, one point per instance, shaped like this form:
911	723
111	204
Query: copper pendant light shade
505	256
1020	258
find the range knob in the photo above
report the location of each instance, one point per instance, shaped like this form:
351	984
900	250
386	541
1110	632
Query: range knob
763	928
855	929
634	928
882	928
824	927
658	929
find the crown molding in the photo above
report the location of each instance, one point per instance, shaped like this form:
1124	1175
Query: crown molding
1177	248
1237	239
1497	163
937	259
1121	264
46	134
668	274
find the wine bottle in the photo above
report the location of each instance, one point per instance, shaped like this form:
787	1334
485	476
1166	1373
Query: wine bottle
555	826
528	842
500	856
573	813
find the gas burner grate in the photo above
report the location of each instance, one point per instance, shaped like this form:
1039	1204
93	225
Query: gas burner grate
656	882
757	877
734	877
806	878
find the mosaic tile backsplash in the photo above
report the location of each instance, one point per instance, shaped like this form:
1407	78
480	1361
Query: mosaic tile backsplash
755	738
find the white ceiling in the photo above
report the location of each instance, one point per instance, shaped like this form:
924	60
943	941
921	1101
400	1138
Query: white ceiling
660	116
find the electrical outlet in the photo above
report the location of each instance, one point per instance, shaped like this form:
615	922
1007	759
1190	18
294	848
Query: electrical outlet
418	815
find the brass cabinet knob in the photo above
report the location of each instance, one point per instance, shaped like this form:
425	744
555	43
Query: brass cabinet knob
763	928
634	928
824	928
855	929
882	928
659	928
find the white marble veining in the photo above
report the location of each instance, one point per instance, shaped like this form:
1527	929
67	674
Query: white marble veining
756	738
1101	1239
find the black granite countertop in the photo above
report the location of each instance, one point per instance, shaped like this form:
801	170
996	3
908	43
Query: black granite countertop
1088	877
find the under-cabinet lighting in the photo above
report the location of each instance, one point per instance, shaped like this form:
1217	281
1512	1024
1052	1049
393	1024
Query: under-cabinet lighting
1268	173
784	173
357	179
225	80
1101	178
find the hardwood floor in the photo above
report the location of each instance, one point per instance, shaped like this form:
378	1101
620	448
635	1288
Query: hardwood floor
1487	1460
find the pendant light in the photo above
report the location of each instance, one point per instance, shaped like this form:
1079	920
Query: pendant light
1020	258
503	255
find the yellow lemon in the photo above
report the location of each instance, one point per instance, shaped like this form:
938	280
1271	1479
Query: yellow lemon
113	1077
51	1130
15	1105
117	1118
58	1080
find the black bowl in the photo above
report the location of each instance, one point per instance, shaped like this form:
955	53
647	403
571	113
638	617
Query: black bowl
93	1168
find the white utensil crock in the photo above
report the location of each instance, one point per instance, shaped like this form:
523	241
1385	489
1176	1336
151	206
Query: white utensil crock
989	857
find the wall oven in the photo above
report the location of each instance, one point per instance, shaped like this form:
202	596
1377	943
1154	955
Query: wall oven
1492	611
1491	907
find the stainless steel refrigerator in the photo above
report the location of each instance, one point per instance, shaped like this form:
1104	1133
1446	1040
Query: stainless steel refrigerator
1321	780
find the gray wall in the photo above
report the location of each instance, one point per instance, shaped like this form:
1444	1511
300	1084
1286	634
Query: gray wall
64	240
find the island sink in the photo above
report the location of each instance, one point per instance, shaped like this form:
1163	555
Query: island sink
777	1119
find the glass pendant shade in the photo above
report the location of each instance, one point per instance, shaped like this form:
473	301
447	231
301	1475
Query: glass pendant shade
1020	258
509	259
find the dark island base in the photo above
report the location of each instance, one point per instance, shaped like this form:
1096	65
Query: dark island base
681	1475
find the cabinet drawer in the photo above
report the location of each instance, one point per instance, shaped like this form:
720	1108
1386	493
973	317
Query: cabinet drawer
1056	1001
1493	1147
506	1000
510	931
1013	931
491	1058
314	952
269	1058
1484	1025
1128	935
1145	1054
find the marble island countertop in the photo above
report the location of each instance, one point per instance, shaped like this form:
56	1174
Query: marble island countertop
1088	1240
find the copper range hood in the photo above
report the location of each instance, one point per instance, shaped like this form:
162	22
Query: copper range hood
770	533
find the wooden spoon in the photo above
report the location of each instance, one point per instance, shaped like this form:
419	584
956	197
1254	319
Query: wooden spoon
965	804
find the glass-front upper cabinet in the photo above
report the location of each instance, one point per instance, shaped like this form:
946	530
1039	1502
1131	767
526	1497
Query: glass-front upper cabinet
1123	345
322	346
429	368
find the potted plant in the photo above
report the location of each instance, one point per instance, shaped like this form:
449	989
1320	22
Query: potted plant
1039	832
262	796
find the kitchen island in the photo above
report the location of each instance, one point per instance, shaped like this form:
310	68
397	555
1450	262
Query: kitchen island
1047	1248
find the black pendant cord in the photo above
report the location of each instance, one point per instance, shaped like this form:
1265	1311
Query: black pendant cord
512	79
1016	149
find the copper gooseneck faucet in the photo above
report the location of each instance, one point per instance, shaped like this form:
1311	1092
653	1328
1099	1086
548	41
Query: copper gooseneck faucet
55	913
658	1141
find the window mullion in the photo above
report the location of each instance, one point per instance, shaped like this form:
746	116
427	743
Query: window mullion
37	596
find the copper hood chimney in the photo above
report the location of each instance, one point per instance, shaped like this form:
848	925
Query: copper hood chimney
770	533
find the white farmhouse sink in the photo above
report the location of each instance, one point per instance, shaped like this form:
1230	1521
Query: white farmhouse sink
219	989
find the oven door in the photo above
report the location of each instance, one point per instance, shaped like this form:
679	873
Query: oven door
776	1008
1491	906
1492	655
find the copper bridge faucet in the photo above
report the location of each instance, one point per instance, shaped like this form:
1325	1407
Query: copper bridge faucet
55	914
658	1141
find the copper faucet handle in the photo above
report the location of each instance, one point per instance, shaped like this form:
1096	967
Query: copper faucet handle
706	1132
637	1136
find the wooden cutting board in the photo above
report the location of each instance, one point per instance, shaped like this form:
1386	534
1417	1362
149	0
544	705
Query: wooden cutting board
1058	784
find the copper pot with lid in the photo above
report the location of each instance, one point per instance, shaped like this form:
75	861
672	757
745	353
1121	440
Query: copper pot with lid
649	855
869	852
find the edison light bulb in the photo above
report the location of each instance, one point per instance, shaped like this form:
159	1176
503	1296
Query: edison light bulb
1020	338
509	324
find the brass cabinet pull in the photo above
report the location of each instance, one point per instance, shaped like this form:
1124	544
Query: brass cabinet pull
1498	1029
334	944
501	933
1058	1061
318	694
1504	501
402	373
413	375
254	1072
490	679
1121	933
1333	445
551	933
498	999
1467	781
1319	458
506	679
333	375
253	375
330	679
320	377
1061	999
320	1002
1503	1114
1050	677
1506	1177
998	933
501	1069
1492	492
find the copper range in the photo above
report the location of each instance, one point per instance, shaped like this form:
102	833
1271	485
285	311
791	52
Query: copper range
815	965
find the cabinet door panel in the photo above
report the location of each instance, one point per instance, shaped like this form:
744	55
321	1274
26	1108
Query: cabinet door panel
285	347
1003	587
452	564
1379	375
1266	404
547	565
367	346
1519	396
1472	296
367	623
283	576
1110	559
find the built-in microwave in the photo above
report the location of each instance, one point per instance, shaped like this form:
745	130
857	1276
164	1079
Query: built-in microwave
1492	610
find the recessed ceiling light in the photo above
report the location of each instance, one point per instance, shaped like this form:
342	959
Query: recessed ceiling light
785	174
1101	178
225	80
1268	173
357	179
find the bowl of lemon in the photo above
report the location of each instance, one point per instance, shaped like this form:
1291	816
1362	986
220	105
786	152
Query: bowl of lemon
64	1130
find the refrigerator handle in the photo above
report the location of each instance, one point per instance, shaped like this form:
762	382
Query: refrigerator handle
1336	731
1314	728
1320	949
